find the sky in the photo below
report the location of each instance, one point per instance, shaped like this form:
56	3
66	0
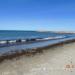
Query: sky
51	15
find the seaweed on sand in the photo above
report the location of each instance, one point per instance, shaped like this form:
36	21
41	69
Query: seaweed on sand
30	52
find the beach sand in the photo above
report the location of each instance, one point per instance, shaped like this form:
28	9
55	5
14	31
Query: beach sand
59	60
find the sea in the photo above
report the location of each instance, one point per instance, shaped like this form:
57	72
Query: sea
13	34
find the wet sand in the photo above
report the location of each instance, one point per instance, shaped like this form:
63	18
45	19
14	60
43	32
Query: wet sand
59	60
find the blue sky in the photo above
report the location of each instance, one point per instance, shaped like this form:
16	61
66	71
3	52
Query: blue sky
52	15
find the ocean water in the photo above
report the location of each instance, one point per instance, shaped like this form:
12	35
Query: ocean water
7	34
10	35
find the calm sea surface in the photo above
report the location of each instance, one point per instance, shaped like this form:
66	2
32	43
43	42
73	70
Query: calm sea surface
6	35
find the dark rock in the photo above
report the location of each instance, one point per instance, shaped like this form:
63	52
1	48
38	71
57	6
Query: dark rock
18	41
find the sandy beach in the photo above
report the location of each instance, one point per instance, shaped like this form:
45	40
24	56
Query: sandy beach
59	60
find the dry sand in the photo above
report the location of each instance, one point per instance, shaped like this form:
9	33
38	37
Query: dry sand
54	61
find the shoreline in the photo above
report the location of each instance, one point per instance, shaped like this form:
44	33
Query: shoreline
30	52
5	43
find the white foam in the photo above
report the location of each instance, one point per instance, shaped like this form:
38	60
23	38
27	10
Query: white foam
2	42
12	41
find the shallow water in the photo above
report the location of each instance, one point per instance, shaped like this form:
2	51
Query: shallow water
52	61
30	46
